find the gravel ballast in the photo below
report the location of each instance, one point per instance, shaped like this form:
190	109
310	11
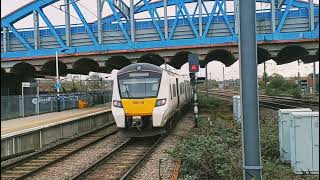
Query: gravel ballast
159	159
81	160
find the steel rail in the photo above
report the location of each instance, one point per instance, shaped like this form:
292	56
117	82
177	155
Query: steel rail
271	101
126	167
7	171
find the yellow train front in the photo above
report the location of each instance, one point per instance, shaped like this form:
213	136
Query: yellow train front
146	97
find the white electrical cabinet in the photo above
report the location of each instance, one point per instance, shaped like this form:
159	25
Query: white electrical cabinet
304	142
236	108
284	132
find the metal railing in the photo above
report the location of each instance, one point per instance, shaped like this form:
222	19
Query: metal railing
30	105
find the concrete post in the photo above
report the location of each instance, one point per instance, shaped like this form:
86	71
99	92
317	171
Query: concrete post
249	93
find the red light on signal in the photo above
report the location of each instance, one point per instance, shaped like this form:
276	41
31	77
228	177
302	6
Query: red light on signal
194	67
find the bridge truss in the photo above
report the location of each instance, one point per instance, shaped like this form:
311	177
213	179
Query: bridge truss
207	23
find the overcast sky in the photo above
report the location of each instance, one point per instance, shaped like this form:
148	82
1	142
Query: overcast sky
88	8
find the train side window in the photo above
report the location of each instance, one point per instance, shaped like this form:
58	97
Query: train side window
174	92
181	88
185	88
170	91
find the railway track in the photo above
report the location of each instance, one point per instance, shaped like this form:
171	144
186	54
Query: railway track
121	162
273	102
34	163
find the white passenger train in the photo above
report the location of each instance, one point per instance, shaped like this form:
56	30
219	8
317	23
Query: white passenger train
146	98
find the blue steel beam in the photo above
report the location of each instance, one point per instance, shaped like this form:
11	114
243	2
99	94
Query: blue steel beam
157	14
194	29
284	16
156	25
173	29
195	10
28	9
16	33
118	18
76	8
24	11
51	28
224	14
206	29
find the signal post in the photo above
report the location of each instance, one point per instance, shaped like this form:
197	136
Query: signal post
193	69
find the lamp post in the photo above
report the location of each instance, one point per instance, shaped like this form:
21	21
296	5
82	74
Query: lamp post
58	79
57	82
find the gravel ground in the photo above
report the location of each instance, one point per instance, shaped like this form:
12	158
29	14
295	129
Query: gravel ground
149	170
81	160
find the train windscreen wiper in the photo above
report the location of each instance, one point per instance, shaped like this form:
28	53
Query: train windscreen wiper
127	91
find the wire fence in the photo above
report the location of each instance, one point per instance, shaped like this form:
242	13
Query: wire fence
28	105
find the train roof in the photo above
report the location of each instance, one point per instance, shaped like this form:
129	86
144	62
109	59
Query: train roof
142	67
147	67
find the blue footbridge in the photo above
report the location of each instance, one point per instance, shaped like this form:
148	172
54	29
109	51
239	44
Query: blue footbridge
286	31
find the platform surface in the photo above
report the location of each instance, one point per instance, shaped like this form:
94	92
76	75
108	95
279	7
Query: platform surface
44	120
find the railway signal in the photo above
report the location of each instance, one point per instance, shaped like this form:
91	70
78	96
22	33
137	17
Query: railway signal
193	60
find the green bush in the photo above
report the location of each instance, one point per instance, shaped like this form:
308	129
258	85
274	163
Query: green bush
269	140
279	86
296	93
211	151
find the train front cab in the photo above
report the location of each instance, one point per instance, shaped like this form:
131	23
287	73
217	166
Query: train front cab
140	101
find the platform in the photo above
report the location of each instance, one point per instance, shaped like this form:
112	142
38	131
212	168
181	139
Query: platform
35	132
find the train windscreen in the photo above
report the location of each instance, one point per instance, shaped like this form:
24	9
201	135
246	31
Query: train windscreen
139	85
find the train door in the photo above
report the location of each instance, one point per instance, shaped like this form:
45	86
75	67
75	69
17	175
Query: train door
178	91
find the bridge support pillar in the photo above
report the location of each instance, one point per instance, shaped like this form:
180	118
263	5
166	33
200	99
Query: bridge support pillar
99	11
36	36
132	21
5	39
273	16
249	92
236	14
165	8
67	21
200	17
311	15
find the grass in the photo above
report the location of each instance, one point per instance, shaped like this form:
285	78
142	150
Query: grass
213	150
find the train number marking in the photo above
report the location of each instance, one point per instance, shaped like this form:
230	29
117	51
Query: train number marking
137	102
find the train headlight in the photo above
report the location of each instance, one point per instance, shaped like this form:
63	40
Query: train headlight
161	102
117	104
